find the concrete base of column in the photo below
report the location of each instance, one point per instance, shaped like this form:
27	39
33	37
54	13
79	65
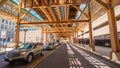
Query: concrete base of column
92	48
77	44
115	56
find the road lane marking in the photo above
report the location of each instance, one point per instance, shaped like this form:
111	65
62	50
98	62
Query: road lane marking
92	60
41	59
73	61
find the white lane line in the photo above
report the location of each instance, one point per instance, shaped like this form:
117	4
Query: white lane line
78	61
73	61
92	60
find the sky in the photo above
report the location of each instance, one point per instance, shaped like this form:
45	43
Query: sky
79	13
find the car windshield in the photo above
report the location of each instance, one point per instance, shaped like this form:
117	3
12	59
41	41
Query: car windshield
25	46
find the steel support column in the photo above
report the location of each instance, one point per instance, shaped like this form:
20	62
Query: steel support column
42	36
77	38
71	38
18	23
46	37
74	37
115	55
92	48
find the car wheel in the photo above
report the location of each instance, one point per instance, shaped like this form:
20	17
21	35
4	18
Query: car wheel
30	58
11	62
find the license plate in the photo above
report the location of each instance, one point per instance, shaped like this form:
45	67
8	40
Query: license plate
10	59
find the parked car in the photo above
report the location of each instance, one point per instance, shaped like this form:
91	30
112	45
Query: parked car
49	46
59	42
56	44
25	52
5	44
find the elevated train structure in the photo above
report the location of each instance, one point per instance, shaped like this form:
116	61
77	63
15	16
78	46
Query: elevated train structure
91	22
51	12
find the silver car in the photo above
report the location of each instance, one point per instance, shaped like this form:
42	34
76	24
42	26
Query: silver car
24	52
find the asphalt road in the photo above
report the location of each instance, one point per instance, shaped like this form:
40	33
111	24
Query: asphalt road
65	56
69	56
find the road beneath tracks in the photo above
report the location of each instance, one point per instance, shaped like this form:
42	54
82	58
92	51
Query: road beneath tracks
65	56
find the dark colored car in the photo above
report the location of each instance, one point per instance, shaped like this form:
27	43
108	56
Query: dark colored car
25	52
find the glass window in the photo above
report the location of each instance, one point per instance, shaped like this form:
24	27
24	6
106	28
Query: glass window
2	26
9	34
6	21
10	22
3	20
25	46
13	23
16	13
13	34
12	29
9	28
6	26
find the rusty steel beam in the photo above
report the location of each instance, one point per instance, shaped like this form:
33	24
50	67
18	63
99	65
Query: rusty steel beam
92	47
2	2
53	22
18	23
101	3
58	32
80	10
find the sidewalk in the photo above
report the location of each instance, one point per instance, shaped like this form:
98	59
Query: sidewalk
103	52
4	50
99	49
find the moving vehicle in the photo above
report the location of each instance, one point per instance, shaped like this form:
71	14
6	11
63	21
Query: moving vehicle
25	52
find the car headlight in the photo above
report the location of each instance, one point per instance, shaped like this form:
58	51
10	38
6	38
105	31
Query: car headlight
23	53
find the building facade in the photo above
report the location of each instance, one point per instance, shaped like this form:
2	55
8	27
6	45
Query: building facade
31	36
101	31
8	19
9	27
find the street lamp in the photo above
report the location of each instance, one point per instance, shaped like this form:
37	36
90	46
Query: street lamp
25	30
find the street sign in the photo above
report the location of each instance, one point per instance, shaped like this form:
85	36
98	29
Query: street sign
3	34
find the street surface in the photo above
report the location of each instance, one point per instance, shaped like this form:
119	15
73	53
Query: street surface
64	56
